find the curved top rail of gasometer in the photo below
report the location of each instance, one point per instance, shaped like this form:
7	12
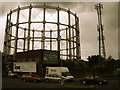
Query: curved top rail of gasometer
42	6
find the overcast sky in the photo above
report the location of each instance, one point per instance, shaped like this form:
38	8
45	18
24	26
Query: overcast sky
88	24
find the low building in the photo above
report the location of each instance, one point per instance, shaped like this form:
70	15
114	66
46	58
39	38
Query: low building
42	58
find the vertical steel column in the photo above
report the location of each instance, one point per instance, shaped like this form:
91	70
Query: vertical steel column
58	28
16	36
33	40
103	43
69	27
97	7
43	32
8	32
73	44
24	40
99	38
77	37
9	39
50	39
66	44
79	48
29	26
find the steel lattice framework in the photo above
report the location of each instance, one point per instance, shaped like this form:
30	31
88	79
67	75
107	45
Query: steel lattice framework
42	27
101	37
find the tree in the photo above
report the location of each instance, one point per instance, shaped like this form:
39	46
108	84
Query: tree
117	63
94	60
110	64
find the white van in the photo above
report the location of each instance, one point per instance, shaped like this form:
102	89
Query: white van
57	73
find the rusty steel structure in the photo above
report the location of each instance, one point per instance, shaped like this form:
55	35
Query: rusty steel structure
101	37
43	27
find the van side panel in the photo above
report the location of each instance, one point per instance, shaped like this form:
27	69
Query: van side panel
56	70
24	66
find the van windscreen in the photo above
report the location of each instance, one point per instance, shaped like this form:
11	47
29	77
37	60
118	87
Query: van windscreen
66	74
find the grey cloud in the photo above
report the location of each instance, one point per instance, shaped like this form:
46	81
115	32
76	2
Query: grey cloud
7	6
77	7
110	16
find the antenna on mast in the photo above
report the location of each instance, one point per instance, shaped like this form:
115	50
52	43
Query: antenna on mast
101	37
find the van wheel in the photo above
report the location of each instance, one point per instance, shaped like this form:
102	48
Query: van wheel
34	81
59	81
24	80
100	83
46	80
83	82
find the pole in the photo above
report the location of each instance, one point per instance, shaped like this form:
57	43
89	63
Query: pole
101	38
